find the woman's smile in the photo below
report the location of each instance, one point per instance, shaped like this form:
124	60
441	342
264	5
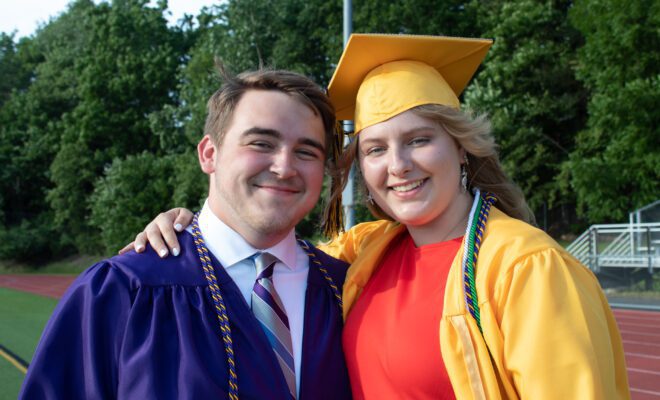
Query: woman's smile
407	187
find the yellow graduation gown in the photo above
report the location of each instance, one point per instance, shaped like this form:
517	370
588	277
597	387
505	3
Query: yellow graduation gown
548	331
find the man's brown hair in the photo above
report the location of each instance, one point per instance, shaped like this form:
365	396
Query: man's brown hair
223	102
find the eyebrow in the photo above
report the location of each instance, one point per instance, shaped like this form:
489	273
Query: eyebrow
255	130
405	133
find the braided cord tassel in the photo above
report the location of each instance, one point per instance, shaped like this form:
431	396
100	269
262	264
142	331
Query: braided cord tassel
471	300
476	231
220	308
305	246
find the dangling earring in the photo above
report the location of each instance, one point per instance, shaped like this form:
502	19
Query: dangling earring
370	198
464	177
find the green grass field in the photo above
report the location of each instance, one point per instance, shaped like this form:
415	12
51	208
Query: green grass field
22	318
70	265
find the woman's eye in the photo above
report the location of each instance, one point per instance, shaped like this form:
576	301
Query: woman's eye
419	141
372	151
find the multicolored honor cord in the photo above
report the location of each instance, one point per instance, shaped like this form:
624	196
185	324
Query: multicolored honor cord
474	235
221	310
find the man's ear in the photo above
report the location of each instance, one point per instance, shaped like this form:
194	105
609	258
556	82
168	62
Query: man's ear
206	153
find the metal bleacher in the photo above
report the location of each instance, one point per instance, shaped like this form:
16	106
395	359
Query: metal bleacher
632	245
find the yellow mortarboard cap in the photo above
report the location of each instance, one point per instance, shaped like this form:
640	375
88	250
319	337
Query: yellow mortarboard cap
380	76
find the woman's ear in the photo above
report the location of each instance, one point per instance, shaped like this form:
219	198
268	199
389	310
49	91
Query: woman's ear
206	153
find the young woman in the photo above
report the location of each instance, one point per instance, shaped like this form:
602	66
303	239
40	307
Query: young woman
452	294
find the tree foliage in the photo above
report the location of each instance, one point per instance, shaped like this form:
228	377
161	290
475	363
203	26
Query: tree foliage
528	87
101	108
615	167
31	123
15	65
127	72
122	205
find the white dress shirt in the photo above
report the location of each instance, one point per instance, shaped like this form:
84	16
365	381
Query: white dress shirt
289	274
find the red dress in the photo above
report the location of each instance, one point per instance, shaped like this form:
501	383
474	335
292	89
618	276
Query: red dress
391	337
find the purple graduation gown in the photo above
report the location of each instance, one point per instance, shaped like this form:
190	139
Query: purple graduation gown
139	327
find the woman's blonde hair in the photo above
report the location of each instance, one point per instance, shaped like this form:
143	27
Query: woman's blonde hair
484	170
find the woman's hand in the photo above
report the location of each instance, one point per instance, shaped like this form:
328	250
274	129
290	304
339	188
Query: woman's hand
160	231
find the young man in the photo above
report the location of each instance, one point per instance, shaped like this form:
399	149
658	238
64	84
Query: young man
260	316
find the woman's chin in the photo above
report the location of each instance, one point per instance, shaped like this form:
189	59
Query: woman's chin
413	219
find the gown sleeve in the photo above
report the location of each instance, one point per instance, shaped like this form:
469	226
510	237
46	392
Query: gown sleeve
77	355
347	245
560	337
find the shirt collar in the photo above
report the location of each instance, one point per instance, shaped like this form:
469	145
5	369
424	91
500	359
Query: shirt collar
230	248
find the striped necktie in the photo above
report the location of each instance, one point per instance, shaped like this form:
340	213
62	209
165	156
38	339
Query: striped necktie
269	311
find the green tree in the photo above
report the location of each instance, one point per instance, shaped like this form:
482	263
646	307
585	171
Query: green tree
190	183
30	128
127	72
615	167
131	192
528	88
16	67
418	17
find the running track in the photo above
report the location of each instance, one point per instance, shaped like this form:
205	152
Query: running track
46	285
640	331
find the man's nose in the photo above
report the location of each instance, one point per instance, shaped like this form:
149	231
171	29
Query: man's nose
283	164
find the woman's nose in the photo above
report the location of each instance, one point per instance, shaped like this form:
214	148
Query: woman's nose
399	163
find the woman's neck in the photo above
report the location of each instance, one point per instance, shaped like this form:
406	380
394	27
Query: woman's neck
449	225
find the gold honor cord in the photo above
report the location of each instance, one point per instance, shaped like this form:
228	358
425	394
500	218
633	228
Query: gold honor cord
335	290
221	310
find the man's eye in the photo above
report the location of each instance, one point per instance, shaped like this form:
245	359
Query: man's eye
307	154
261	145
